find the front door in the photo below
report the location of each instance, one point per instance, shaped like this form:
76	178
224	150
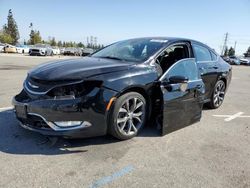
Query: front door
183	93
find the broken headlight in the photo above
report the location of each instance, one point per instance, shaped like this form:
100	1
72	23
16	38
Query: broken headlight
74	90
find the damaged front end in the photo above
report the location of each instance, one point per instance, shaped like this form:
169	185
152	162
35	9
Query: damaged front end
69	108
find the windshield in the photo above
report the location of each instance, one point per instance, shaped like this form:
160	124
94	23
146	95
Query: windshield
131	50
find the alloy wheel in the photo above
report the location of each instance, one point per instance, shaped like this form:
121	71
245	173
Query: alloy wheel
219	94
131	116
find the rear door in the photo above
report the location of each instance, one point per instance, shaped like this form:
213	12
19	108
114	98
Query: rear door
182	101
208	67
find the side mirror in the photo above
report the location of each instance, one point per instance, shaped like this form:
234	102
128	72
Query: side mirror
176	83
178	79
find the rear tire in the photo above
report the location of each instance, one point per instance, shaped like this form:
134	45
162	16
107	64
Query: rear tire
218	95
128	116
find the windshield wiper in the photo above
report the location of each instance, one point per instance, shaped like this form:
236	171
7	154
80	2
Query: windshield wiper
111	57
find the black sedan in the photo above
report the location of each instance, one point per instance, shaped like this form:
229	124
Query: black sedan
123	86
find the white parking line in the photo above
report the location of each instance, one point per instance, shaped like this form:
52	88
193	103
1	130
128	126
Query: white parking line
234	116
6	108
109	179
231	117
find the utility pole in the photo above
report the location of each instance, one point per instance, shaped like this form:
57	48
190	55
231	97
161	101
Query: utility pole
225	44
235	45
91	41
95	41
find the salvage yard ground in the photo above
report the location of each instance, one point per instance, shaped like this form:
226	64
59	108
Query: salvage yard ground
212	153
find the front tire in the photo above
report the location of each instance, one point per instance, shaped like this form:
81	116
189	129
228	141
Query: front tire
218	95
128	116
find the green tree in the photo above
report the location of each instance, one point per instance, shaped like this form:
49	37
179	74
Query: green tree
226	51
68	44
231	51
80	45
53	41
35	37
89	46
59	43
5	37
11	28
247	54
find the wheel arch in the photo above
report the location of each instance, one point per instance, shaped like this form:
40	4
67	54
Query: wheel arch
144	92
224	80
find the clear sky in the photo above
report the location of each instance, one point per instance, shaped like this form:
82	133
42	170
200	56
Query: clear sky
112	20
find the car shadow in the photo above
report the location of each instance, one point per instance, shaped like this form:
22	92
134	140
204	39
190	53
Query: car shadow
16	140
205	108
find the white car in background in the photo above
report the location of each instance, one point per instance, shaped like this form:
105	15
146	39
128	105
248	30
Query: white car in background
22	49
245	61
62	50
56	50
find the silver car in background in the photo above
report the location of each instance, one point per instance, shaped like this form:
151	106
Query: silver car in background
72	51
41	50
87	51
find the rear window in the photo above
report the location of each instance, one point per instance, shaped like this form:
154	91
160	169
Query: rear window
202	53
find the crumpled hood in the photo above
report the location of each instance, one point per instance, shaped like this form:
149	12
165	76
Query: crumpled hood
73	69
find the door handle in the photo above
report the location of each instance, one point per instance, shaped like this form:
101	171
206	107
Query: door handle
198	90
215	67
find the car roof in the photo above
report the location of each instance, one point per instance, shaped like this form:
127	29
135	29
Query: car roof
170	39
173	39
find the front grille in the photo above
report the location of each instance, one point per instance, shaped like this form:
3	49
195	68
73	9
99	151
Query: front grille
35	122
35	50
43	86
39	89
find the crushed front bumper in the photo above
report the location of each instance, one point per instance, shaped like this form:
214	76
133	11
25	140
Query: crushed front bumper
40	115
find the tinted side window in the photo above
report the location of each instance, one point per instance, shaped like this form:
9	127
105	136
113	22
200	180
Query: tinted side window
214	56
202	53
187	68
172	54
